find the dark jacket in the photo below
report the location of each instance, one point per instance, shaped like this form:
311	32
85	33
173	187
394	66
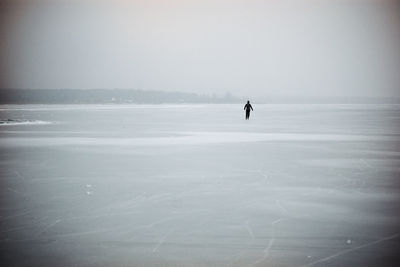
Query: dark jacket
248	106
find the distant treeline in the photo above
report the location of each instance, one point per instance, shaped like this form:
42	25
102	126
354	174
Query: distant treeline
135	96
104	96
330	100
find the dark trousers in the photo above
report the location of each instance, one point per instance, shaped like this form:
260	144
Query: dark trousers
247	114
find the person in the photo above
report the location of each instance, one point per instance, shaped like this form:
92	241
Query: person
247	107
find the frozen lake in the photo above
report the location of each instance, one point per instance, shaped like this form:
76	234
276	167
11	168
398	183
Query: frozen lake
197	185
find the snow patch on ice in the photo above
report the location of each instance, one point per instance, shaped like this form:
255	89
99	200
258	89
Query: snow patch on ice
192	138
11	122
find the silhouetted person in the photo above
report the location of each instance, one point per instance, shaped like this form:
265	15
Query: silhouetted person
247	107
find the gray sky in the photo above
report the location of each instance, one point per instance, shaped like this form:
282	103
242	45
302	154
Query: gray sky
251	48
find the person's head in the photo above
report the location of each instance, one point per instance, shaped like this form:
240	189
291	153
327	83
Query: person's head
248	101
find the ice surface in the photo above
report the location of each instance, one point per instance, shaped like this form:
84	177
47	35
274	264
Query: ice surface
197	185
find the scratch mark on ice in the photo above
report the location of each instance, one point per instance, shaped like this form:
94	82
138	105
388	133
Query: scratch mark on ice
270	243
83	233
15	215
48	227
368	165
13	190
162	240
249	229
278	203
352	249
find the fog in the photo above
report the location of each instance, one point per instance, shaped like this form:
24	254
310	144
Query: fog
249	48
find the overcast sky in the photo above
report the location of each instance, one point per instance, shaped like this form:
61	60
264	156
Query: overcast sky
251	48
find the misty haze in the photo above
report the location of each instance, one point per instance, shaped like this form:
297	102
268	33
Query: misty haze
126	139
